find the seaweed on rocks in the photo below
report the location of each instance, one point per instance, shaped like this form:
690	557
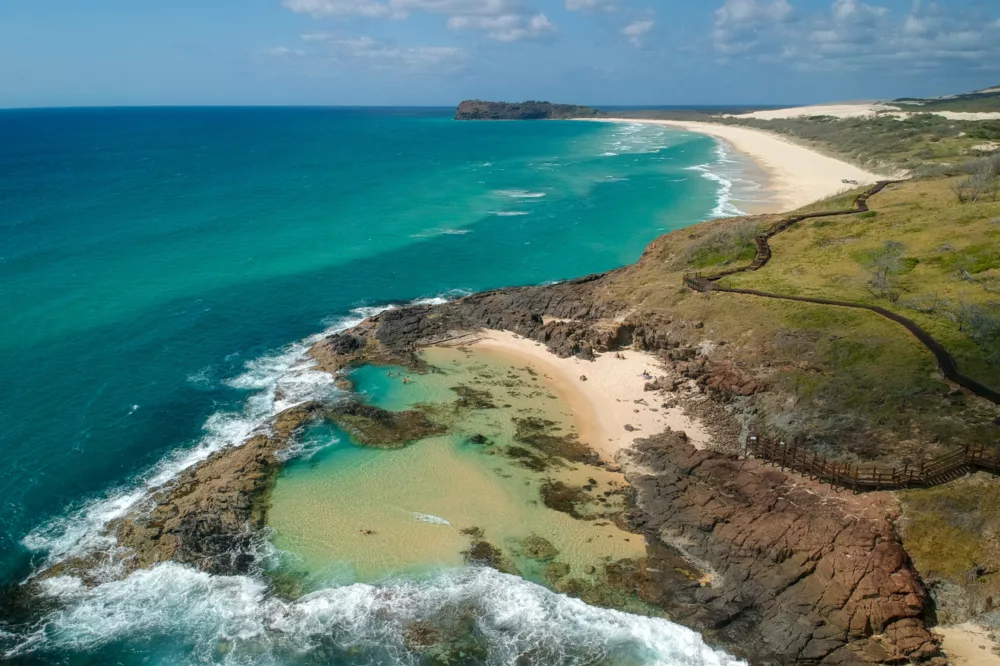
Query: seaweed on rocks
561	497
379	428
538	548
470	398
539	434
483	553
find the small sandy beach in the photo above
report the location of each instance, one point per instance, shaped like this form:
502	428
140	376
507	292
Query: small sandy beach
611	397
798	176
968	645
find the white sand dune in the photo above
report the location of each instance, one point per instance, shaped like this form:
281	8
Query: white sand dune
862	110
846	110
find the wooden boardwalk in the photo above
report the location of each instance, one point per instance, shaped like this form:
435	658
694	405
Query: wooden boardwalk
708	283
873	477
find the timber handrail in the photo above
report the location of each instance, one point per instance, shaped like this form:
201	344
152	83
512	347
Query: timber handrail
858	478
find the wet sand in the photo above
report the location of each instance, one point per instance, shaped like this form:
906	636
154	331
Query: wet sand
611	397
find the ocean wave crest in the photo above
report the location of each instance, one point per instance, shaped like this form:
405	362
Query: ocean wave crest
234	620
521	194
718	173
277	381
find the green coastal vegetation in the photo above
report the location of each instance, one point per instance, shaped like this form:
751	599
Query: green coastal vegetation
854	385
924	143
986	100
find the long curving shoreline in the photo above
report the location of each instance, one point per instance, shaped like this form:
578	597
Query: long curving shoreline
798	176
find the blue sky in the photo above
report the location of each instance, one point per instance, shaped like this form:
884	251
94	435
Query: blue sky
438	52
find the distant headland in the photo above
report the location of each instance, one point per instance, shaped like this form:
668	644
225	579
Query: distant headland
475	109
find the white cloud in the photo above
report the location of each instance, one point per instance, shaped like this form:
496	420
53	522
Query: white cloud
321	8
284	52
851	34
636	30
506	27
459	7
590	5
747	11
503	20
739	23
414	58
330	52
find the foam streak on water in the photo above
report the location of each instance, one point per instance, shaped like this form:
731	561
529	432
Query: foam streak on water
277	381
726	172
356	624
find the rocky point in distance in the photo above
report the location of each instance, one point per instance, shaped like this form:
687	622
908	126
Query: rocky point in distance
479	110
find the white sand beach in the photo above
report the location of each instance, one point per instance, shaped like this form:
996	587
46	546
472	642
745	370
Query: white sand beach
611	397
968	645
798	175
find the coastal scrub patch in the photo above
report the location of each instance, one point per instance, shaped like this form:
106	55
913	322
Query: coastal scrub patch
727	245
951	532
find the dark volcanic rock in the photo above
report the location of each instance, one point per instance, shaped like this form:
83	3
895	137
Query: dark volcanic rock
475	109
209	516
800	574
379	428
561	316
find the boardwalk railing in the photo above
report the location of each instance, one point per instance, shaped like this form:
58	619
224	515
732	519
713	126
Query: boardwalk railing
873	477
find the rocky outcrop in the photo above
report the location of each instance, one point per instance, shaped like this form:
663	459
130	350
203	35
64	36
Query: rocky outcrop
475	109
379	428
210	515
799	573
564	316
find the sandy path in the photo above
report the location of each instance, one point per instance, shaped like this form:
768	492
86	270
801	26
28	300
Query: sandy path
962	645
607	401
798	175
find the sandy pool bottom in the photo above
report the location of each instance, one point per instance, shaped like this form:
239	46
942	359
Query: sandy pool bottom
353	514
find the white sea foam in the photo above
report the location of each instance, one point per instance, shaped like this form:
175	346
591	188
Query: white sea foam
174	604
441	232
722	171
521	194
277	381
428	518
510	213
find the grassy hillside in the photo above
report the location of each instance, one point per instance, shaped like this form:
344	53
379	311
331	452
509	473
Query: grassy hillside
855	385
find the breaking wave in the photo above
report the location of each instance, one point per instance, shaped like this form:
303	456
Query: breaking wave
493	617
724	172
521	194
277	381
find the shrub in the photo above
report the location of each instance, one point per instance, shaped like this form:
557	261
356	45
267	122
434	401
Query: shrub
726	245
883	266
982	325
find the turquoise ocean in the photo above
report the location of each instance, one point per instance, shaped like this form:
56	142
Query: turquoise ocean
161	273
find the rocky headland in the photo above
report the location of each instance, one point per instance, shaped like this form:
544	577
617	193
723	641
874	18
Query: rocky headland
773	566
481	110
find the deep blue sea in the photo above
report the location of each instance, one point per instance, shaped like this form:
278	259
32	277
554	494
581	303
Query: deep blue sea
161	268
